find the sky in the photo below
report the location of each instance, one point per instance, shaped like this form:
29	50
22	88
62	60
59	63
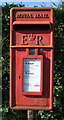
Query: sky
32	3
31	0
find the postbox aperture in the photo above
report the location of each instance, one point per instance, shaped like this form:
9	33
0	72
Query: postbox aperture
31	58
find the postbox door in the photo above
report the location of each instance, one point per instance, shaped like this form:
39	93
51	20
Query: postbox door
30	73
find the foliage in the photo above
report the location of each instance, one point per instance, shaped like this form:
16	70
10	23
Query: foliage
61	5
58	109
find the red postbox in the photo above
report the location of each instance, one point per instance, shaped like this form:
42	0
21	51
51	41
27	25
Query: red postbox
31	58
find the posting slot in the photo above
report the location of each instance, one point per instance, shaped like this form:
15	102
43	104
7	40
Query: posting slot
42	25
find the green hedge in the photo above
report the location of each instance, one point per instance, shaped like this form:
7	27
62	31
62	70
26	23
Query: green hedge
58	109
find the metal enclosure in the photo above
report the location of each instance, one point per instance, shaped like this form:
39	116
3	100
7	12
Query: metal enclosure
31	58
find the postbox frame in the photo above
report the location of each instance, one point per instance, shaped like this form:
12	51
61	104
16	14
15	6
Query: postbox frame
14	48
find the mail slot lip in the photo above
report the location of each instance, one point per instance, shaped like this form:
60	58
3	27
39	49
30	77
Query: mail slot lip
41	74
31	22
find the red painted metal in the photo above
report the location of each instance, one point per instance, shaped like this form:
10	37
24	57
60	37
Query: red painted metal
31	28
